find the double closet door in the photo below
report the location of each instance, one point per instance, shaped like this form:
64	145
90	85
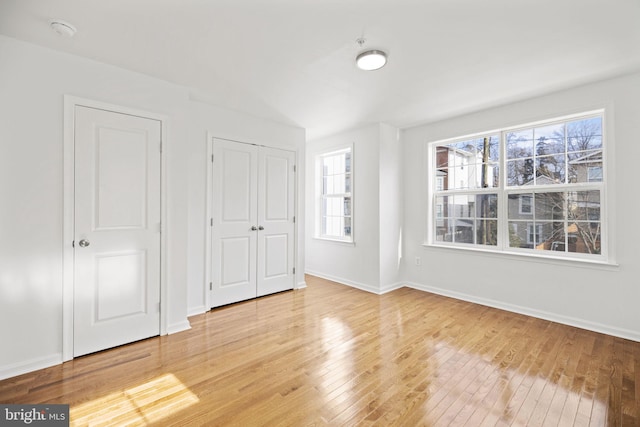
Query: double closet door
252	221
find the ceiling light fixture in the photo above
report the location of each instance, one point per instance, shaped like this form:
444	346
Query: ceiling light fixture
370	60
62	28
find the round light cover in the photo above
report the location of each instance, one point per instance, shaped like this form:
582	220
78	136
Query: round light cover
371	60
62	28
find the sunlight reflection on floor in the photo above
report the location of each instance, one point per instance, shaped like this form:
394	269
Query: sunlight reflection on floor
143	404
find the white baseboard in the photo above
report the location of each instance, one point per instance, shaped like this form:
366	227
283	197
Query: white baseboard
540	314
392	287
343	281
178	327
301	285
358	285
23	367
196	310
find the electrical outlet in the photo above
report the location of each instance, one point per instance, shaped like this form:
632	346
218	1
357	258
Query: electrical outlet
418	260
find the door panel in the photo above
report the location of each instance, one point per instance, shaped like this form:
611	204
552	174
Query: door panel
117	229
275	251
121	192
120	280
276	178
236	259
276	217
234	214
238	187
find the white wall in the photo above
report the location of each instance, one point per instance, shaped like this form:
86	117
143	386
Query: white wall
390	206
231	125
357	263
372	261
595	297
33	82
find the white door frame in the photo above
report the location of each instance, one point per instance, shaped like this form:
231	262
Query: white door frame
208	274
70	103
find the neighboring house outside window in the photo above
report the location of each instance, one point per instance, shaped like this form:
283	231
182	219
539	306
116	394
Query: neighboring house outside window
533	188
335	213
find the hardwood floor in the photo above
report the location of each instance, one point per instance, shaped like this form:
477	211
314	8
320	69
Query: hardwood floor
333	355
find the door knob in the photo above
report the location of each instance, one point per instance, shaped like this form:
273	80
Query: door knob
260	227
84	243
253	228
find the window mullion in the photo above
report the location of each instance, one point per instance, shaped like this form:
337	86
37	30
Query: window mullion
503	221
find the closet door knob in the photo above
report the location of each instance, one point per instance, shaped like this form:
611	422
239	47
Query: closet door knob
260	227
253	228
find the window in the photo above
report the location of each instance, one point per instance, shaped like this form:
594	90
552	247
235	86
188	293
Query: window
533	233
526	203
531	189
594	173
336	198
466	177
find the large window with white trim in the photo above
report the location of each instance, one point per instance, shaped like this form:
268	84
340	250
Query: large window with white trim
336	195
531	189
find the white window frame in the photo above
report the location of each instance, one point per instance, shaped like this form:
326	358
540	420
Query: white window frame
502	247
320	197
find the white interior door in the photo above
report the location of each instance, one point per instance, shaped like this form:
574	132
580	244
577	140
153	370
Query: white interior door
234	227
276	227
252	221
116	230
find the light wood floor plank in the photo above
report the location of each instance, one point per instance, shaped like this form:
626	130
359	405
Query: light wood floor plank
333	355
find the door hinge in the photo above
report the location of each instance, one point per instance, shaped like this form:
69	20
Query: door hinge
211	222
73	243
294	218
294	168
160	146
210	286
212	158
294	270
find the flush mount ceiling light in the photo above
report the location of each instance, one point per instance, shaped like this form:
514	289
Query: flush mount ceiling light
62	28
370	60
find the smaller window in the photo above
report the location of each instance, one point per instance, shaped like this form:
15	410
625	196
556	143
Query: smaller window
594	173
525	205
534	234
336	198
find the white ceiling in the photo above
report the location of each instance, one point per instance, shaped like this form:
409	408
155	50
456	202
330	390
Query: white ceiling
293	60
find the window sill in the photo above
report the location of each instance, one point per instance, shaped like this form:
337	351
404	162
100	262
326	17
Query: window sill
328	239
534	257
